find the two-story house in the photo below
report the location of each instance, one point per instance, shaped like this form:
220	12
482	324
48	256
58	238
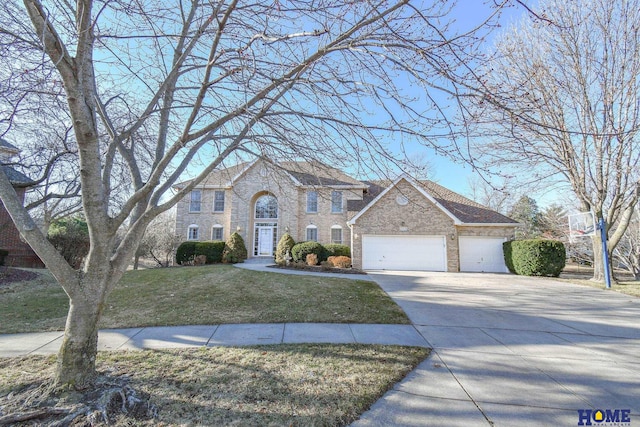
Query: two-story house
400	225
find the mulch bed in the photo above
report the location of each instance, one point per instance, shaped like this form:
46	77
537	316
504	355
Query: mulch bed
12	275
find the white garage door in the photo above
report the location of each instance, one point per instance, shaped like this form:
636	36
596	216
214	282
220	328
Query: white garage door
482	254
426	253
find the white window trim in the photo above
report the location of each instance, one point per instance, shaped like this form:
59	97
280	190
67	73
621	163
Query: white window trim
191	201
218	227
333	210
196	228
311	227
316	201
337	227
224	197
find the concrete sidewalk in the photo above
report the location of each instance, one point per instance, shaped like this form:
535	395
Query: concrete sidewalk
13	345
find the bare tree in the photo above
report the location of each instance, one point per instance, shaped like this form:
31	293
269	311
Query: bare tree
497	197
160	240
157	91
560	101
627	253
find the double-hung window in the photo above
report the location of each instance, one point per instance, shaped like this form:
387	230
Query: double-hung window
196	201
312	233
336	234
218	201
217	232
336	201
193	233
312	202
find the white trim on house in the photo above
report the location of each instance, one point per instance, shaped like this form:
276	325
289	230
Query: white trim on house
413	183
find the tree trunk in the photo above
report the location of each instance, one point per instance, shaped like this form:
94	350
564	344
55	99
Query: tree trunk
598	260
77	356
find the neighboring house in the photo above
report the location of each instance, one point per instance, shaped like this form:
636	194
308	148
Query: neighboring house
20	254
400	225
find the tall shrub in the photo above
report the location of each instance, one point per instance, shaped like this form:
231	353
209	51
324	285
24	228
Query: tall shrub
535	257
283	249
234	250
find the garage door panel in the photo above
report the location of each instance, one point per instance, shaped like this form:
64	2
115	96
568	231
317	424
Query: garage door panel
482	254
403	252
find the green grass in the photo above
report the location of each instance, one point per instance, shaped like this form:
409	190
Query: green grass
284	385
215	294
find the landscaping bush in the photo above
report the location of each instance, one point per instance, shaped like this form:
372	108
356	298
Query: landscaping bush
234	250
188	251
211	249
340	261
335	249
535	257
3	255
312	259
70	237
300	251
283	249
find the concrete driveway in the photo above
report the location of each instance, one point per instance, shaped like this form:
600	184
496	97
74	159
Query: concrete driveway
514	351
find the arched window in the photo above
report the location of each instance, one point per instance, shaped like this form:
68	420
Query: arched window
312	233
193	233
266	207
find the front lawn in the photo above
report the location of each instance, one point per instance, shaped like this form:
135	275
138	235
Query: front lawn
284	385
204	295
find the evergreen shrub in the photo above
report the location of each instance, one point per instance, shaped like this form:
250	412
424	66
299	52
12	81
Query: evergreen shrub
335	249
285	244
300	251
535	257
234	250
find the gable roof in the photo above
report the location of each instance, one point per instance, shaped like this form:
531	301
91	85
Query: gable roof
314	174
306	174
17	178
461	210
5	146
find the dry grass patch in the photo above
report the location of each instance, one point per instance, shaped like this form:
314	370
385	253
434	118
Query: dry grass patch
580	275
215	294
284	385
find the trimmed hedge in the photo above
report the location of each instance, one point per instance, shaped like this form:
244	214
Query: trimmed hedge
187	251
235	249
285	244
535	257
300	251
335	249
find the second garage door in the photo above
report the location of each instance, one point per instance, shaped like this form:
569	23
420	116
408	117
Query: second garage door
403	252
482	254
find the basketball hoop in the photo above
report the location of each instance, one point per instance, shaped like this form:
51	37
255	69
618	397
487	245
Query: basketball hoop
582	224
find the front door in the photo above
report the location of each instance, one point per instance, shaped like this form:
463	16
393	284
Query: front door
265	241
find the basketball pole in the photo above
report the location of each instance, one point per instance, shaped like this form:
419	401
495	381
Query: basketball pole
605	253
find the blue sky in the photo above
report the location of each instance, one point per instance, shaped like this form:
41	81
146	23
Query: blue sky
468	13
